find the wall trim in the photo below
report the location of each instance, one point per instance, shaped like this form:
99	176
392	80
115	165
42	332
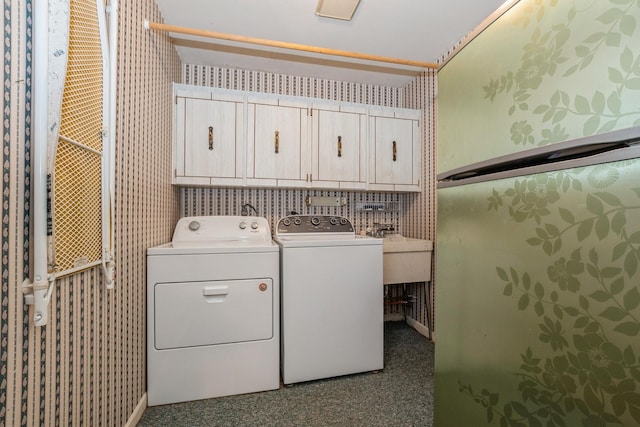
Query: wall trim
394	317
138	411
504	8
422	330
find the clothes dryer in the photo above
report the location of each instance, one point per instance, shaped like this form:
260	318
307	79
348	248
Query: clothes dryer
213	310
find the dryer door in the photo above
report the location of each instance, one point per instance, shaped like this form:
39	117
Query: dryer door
191	314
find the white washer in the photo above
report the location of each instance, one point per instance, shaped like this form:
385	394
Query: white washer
331	299
213	310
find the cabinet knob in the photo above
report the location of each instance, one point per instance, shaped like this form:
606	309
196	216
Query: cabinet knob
277	142
210	137
339	146
395	151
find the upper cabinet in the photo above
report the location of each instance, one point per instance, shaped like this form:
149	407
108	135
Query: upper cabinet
235	138
338	146
278	148
209	138
395	162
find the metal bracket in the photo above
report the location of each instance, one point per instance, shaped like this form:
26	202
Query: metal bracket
108	267
38	294
325	201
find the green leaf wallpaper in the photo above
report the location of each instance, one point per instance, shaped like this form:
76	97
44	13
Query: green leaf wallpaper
546	71
538	309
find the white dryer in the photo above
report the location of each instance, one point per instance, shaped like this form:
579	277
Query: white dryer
213	310
331	298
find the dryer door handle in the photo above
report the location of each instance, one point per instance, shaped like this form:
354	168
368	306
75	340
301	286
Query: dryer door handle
215	293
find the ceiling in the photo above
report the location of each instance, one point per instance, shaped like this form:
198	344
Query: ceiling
418	30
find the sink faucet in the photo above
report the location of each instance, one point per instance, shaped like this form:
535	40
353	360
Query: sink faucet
383	229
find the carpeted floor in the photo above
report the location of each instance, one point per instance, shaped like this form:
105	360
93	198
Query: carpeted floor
399	395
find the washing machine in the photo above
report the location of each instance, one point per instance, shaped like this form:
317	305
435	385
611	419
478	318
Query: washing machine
331	298
213	310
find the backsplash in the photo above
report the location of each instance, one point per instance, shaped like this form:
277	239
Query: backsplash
275	204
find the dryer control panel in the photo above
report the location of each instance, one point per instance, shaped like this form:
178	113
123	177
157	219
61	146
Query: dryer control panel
314	224
222	228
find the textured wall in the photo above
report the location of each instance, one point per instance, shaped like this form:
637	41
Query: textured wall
87	366
415	216
419	209
16	394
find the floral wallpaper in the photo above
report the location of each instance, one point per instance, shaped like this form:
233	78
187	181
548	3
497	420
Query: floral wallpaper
556	303
587	305
545	72
538	310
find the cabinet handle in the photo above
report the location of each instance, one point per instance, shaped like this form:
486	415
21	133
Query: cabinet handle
210	137
277	142
395	151
339	146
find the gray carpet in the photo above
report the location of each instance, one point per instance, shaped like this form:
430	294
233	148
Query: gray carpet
399	395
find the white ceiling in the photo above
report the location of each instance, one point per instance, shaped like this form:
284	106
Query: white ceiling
419	30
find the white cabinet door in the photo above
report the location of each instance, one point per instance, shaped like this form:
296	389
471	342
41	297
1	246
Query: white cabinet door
277	143
339	154
396	151
209	140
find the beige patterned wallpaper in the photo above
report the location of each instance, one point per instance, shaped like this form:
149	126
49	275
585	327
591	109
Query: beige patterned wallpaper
87	366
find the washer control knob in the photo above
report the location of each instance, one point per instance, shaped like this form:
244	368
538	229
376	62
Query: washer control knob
194	225
333	221
343	221
254	225
286	222
243	225
297	221
315	220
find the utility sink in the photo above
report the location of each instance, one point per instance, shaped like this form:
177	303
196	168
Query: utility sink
406	260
